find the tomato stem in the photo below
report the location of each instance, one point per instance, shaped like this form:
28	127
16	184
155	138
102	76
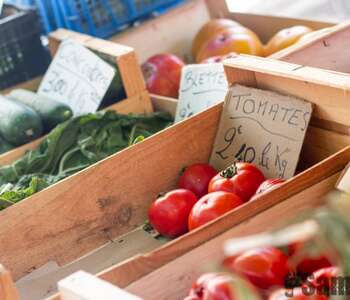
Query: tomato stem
229	172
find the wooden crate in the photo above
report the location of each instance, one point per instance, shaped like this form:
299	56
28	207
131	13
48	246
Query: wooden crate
137	101
78	220
324	50
173	33
185	269
8	289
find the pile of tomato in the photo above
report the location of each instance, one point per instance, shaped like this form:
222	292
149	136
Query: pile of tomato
203	195
269	273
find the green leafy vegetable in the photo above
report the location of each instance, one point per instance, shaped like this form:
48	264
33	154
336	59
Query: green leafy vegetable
73	146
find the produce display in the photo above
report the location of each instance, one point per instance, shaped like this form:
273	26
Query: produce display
73	146
203	195
25	116
216	40
270	266
316	267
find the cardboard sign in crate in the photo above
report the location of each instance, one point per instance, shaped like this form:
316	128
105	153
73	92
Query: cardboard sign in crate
110	199
137	101
173	33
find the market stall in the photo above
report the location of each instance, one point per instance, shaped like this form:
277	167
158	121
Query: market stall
141	182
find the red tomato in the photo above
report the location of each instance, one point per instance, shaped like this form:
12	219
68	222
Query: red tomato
169	213
307	265
321	282
294	294
264	267
241	179
162	73
196	178
269	184
221	286
212	206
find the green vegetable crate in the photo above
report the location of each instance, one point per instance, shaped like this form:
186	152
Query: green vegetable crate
109	201
122	57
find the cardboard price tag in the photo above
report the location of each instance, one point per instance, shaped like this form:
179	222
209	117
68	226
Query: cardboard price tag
261	127
201	86
77	77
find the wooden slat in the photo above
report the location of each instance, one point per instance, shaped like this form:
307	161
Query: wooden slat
8	290
131	74
166	104
184	270
328	45
330	91
31	85
84	286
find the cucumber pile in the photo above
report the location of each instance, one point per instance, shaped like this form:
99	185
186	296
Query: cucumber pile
25	116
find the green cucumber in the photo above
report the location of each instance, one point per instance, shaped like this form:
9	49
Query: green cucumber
19	124
5	146
52	112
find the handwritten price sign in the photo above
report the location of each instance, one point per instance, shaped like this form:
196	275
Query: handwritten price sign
201	87
77	77
261	127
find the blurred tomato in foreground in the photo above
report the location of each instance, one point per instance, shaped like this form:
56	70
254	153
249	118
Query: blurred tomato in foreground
222	286
307	264
264	267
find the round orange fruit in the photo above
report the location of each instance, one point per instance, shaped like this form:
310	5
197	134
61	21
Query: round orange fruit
209	30
235	39
285	38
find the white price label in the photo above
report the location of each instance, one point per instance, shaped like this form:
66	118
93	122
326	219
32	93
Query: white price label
201	87
77	77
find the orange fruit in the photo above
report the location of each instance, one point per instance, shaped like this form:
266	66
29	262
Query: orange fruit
285	38
209	30
234	39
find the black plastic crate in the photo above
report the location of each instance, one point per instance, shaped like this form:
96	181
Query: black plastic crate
22	54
